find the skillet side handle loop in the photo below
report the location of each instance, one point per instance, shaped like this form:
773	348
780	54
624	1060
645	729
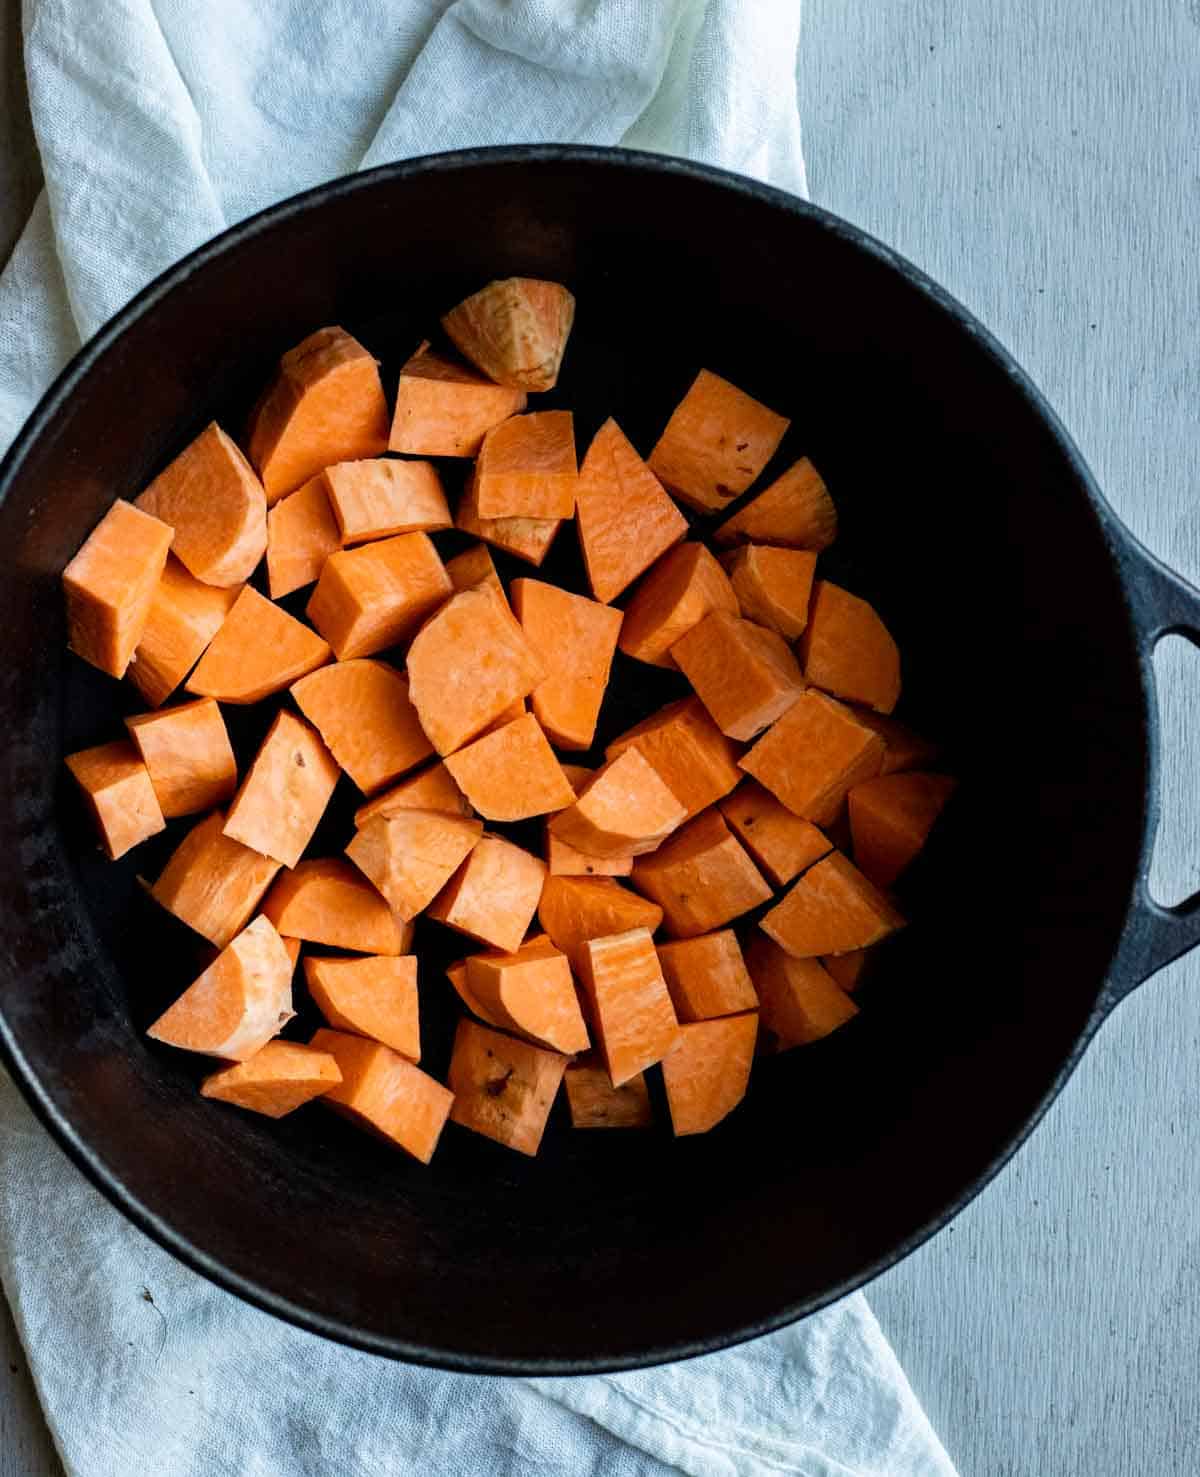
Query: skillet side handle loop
1163	605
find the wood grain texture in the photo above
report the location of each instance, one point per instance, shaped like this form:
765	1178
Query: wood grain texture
1040	161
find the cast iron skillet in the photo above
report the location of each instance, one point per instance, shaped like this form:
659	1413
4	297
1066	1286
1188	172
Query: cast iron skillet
1026	613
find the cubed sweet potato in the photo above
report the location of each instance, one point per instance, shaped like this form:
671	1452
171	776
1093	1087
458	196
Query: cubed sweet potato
781	843
445	408
832	909
795	511
110	586
187	753
527	468
773	586
574	639
511	773
707	976
503	1088
213	883
385	1092
707	1075
799	1001
814	755
677	593
258	651
745	675
848	651
629	1002
493	895
691	755
120	795
327	901
362	711
411	854
701	877
375	997
372	597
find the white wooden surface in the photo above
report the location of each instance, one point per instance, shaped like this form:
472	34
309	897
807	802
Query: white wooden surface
1039	158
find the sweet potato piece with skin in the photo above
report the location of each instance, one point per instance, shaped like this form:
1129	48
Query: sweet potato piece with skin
847	969
574	638
362	712
386	1093
474	566
376	595
891	818
467	664
284	795
325	405
531	992
716	443
781	843
511	773
526	538
832	909
701	877
527	468
238	1004
327	901
432	789
301	534
515	329
816	753
848	651
382	497
744	675
216	506
120	795
707	976
258	651
795	511
903	749
596	1103
624	517
375	997
214	883
493	895
573	910
188	755
503	1088
110	586
630	1006
799	1001
409	856
691	754
275	1081
707	1076
773	586
457	975
626	810
444	408
678	592
185	615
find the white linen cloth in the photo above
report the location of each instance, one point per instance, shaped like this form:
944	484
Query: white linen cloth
159	123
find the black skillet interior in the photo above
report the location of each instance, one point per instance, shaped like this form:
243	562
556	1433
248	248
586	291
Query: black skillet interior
963	517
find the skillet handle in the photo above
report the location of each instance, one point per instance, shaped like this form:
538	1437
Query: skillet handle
1163	605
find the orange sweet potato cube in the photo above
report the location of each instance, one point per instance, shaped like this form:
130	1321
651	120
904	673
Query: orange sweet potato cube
707	1077
891	818
781	843
493	895
817	752
678	592
385	1092
716	443
474	566
378	594
325	405
848	651
411	854
327	901
624	517
275	1081
110	586
799	1001
692	756
432	789
362	711
531	992
596	1103
457	975
188	756
213	883
832	909
375	997
185	615
445	408
119	794
795	511
301	534
701	877
382	497
773	586
574	639
527	468
630	1005
284	795
511	774
515	330
258	651
564	860
526	538
707	976
503	1088
573	910
625	810
744	675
